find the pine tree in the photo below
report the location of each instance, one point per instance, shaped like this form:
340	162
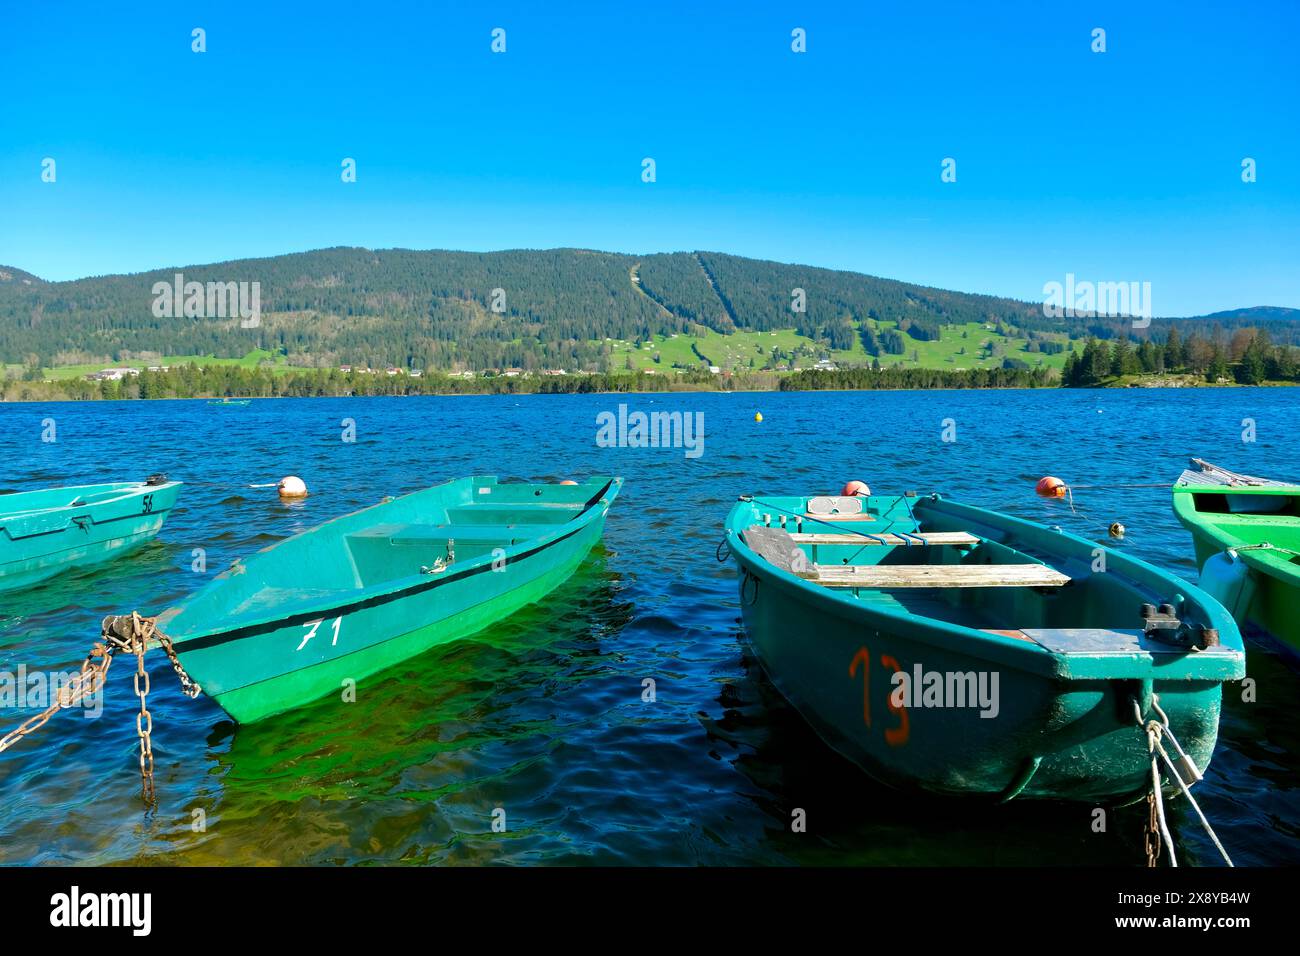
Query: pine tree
1218	365
1175	356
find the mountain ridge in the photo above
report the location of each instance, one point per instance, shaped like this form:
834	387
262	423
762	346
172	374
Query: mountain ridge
565	307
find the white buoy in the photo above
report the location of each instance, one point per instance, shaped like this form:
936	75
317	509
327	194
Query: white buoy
292	487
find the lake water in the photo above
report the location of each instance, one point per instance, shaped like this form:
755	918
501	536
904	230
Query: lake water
543	716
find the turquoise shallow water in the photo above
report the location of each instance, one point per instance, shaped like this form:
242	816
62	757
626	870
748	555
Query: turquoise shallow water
543	716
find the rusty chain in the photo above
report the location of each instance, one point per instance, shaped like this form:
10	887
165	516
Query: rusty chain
144	727
129	634
1152	836
89	680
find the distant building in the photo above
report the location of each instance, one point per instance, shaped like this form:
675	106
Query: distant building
345	368
512	372
112	374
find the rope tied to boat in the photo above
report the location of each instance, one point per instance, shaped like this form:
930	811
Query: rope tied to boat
1262	546
1157	731
119	634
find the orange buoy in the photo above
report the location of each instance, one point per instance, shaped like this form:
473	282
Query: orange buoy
568	481
292	487
858	488
1050	487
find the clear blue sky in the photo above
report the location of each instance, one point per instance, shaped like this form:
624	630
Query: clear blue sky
1118	166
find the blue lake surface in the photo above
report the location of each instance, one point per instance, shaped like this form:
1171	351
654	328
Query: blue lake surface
543	716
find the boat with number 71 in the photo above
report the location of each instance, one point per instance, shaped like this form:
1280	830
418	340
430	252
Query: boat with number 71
355	595
956	650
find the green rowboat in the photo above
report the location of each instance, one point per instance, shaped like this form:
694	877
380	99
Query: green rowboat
955	650
1246	532
303	618
45	532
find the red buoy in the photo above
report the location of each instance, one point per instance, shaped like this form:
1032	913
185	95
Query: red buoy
1050	487
858	488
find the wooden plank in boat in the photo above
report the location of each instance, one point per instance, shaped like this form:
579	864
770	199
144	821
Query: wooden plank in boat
884	538
1205	475
859	517
939	576
1108	642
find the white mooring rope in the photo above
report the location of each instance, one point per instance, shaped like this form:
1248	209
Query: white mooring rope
1155	731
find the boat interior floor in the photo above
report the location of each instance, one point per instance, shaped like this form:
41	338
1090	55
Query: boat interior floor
390	551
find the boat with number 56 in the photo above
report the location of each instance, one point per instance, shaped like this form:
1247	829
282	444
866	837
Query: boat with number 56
43	533
955	650
363	592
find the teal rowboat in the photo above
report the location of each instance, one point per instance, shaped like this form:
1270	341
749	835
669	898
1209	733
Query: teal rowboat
45	532
1246	532
955	650
307	616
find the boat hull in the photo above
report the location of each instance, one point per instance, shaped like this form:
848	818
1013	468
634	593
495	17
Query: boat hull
37	545
1049	739
1272	610
270	667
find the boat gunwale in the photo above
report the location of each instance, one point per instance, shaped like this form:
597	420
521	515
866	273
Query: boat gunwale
129	489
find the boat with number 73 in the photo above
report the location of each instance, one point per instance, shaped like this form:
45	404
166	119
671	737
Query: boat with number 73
342	601
955	650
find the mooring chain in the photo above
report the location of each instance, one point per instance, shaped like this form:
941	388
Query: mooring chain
91	677
188	685
1152	835
144	727
124	634
1157	731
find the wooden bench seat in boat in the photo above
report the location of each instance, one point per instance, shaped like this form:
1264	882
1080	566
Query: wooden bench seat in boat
888	538
936	576
781	549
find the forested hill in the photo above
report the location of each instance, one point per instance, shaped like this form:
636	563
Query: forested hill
10	275
555	309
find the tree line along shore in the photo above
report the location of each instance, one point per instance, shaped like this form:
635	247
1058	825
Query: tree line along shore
1248	358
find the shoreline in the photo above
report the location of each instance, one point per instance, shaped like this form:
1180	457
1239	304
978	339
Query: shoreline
1113	386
